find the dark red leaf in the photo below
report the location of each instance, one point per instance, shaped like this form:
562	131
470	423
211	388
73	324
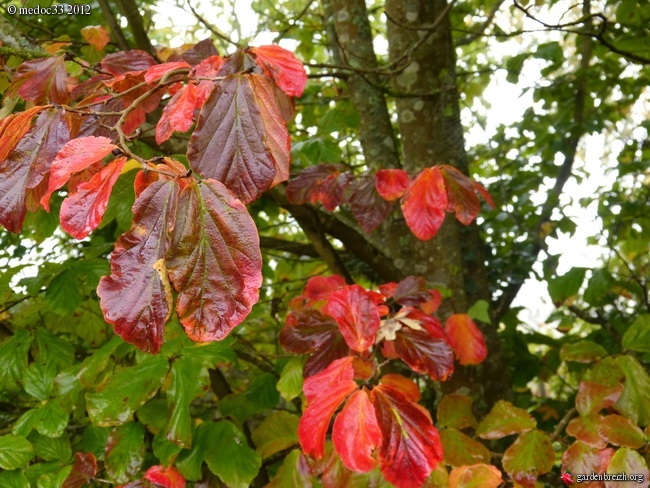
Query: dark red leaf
214	262
82	211
74	157
277	136
134	298
391	183
308	331
23	172
283	67
466	339
356	433
420	342
316	184
157	71
411	447
366	204
200	51
411	291
166	477
229	142
424	204
178	114
41	80
125	61
356	315
324	391
92	86
84	469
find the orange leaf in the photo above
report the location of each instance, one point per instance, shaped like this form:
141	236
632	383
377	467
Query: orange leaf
283	67
178	114
424	204
466	339
96	35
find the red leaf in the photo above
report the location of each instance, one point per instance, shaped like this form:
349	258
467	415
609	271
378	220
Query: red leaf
432	304
40	80
356	433
209	67
391	183
593	397
309	331
166	477
75	156
283	67
366	204
23	172
356	315
200	51
134	298
411	447
320	287
582	459
466	339
178	114
229	141
461	194
585	429
126	61
317	184
399	383
411	291
324	391
158	71
424	204
84	469
420	342
96	35
214	262
277	136
83	210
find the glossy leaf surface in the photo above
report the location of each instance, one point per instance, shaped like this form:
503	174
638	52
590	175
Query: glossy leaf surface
356	315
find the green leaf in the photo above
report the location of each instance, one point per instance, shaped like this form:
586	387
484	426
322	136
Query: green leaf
94	440
188	380
531	455
480	311
635	400
13	479
456	411
39	380
93	365
582	352
53	480
637	337
566	286
477	476
13	352
504	419
263	391
277	432
15	452
598	286
229	457
53	350
165	450
460	449
62	294
126	391
189	461
293	472
125	452
49	419
628	461
291	379
621	431
51	449
340	119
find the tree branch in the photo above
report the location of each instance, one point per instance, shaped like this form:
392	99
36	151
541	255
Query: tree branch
114	25
130	10
297	248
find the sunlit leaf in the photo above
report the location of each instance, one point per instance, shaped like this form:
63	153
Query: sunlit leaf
391	183
167	477
424	203
356	315
529	456
476	476
505	419
460	449
621	431
281	65
455	411
466	339
178	113
96	35
125	452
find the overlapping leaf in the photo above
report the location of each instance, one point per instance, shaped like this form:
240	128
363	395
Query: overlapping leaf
356	315
337	381
83	210
167	477
367	206
214	261
424	203
177	115
158	71
460	449
531	454
461	194
124	61
455	411
580	458
317	184
391	183
283	67
411	447
23	172
41	80
356	433
466	339
75	156
585	429
230	144
83	470
476	476
134	297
